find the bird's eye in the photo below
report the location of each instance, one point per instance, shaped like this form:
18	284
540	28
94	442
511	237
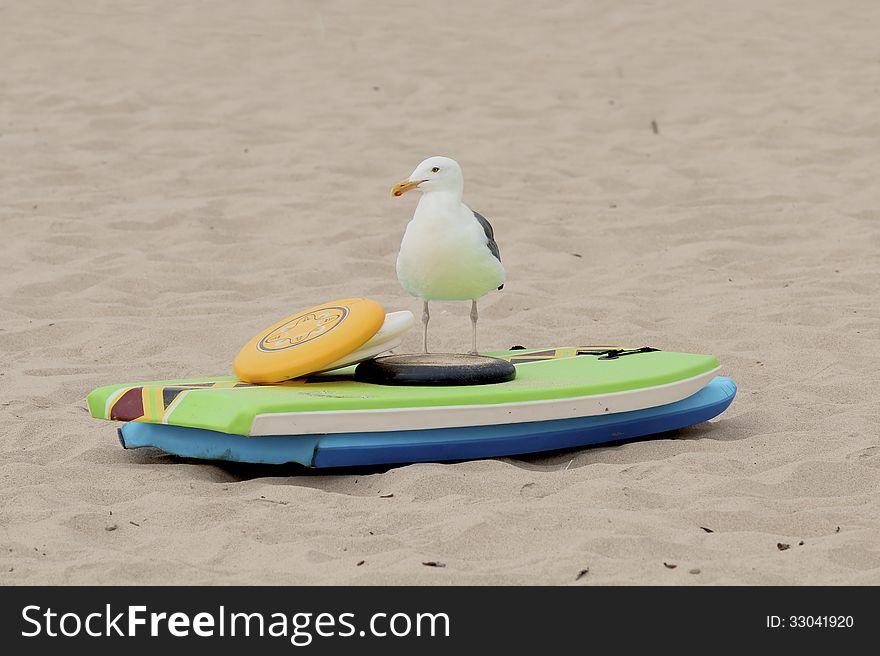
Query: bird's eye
436	169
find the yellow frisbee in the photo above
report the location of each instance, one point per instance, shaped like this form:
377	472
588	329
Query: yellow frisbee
309	340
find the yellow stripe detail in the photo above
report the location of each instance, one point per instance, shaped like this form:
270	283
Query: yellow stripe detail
158	404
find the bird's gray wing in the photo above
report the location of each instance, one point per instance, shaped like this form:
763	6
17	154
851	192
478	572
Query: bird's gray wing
490	234
490	237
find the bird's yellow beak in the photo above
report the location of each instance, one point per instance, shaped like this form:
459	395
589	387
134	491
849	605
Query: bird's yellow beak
404	186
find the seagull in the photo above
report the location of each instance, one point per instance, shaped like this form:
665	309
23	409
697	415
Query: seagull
448	252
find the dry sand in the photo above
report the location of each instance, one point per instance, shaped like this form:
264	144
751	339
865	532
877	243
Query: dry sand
177	175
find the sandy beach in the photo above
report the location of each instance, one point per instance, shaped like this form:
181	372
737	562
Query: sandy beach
697	176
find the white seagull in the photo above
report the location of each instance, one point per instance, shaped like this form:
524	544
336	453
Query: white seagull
448	252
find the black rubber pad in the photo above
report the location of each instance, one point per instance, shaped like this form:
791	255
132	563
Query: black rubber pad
435	369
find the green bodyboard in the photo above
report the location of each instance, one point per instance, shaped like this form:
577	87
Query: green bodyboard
227	405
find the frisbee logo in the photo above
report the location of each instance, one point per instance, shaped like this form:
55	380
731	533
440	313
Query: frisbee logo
303	328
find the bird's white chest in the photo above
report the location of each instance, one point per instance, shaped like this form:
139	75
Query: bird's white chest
444	256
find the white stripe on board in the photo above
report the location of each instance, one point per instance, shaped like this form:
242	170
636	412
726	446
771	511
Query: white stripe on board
454	416
174	405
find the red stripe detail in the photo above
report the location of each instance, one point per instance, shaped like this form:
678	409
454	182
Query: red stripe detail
129	407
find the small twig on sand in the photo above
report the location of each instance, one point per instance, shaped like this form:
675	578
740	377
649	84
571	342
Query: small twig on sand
280	503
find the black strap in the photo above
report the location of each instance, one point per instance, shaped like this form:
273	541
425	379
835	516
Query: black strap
613	354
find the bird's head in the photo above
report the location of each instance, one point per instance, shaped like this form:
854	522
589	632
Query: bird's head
434	174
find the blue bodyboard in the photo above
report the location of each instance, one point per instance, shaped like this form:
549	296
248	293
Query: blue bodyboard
434	445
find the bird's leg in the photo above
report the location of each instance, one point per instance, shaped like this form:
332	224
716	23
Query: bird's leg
425	317
474	317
